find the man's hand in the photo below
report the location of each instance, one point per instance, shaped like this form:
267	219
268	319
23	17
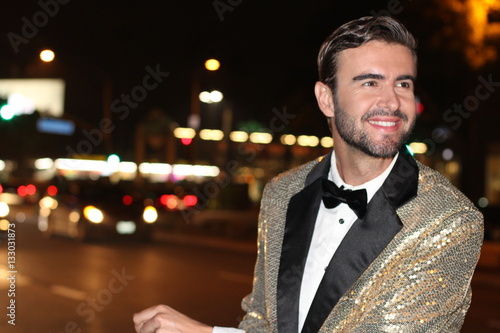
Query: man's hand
164	319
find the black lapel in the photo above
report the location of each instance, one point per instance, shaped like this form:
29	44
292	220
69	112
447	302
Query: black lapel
300	220
365	240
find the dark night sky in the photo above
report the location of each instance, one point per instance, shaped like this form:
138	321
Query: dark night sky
267	50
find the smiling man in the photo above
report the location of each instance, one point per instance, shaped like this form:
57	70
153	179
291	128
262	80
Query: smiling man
365	239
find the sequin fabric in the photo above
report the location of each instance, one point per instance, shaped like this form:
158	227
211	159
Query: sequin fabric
419	283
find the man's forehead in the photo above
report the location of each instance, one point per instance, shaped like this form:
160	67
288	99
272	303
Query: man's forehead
374	56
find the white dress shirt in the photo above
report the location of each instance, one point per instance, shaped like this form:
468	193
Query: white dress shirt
330	229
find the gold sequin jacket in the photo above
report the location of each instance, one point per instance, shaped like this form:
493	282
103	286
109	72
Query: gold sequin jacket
420	282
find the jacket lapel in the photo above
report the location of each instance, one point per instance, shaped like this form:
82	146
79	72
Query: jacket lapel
365	240
300	220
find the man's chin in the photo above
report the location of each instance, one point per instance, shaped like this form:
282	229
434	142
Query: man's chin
383	148
382	151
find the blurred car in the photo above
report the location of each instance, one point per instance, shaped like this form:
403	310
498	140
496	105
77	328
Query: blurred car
16	204
4	217
87	211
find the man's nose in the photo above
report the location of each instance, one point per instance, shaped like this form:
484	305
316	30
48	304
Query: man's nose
389	99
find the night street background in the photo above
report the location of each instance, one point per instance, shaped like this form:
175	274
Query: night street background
105	50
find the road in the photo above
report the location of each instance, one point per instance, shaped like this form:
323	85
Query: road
65	286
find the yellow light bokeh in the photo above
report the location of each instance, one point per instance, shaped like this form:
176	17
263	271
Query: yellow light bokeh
93	214
47	55
238	136
327	142
288	139
418	147
211	134
212	64
261	137
150	214
184	133
307	140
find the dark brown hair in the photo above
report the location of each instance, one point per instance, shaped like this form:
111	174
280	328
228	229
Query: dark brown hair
356	33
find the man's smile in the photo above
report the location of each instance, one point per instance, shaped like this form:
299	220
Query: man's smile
385	124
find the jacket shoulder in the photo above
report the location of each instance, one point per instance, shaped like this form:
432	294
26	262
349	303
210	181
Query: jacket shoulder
431	180
295	176
288	183
438	190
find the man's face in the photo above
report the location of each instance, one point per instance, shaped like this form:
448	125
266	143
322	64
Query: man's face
374	105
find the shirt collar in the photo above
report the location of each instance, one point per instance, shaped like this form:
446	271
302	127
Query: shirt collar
371	186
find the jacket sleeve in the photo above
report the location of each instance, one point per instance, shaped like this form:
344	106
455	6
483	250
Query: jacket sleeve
460	244
255	319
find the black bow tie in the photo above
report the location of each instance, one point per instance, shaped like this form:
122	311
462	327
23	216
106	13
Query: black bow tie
334	196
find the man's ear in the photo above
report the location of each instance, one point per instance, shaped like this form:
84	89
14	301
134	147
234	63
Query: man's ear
325	99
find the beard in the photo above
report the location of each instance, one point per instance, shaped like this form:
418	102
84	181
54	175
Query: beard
360	139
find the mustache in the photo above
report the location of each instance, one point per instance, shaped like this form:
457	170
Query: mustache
382	112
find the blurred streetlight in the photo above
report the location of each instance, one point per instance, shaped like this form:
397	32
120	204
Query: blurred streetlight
47	55
197	97
212	64
214	96
194	117
7	112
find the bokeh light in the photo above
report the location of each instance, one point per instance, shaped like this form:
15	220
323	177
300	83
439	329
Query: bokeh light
47	55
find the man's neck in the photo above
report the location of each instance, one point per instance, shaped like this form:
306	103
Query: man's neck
356	167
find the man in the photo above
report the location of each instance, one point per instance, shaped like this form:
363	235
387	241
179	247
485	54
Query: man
326	261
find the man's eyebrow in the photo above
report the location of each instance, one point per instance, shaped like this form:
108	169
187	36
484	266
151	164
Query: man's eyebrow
406	77
368	76
382	77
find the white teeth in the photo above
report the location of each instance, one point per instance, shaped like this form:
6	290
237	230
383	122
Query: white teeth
383	123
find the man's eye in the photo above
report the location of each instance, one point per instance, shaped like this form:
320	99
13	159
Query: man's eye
370	83
404	85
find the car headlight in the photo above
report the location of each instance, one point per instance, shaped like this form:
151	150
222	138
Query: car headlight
4	209
48	202
93	214
4	225
150	215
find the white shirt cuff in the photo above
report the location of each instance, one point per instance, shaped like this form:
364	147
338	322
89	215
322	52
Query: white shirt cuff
226	330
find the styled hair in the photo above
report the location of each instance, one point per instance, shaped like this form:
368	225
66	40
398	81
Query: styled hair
356	33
